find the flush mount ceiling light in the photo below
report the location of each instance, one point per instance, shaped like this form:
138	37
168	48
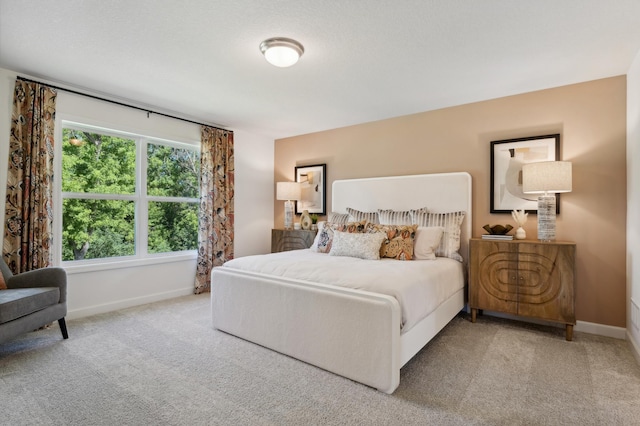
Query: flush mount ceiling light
281	52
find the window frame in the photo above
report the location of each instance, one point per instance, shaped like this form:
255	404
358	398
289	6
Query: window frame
139	197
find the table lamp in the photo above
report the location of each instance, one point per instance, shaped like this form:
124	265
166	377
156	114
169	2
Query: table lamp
546	178
288	191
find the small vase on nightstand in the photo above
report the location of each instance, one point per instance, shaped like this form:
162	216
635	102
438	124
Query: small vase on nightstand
305	220
520	234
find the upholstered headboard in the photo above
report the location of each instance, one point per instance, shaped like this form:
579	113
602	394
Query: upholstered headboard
439	193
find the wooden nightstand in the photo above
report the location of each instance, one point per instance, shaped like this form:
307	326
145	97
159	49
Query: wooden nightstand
524	277
291	239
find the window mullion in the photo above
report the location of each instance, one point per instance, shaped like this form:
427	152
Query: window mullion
142	219
97	196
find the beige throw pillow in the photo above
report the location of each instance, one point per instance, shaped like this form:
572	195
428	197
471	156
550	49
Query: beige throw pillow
426	242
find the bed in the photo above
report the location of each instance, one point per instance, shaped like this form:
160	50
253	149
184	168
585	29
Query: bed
355	333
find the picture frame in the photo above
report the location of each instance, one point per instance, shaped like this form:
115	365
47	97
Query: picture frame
507	159
314	194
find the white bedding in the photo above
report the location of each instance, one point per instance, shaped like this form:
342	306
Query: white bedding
419	285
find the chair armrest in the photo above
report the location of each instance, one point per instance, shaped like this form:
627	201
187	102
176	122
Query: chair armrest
45	277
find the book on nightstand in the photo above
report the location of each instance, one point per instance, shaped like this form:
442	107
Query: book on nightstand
497	237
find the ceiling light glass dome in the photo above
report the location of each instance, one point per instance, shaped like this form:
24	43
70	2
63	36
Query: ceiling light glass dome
281	52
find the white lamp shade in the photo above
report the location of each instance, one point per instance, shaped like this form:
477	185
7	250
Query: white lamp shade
288	191
546	177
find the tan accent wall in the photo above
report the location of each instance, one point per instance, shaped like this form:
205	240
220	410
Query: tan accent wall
591	119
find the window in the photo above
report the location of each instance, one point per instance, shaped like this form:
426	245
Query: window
126	195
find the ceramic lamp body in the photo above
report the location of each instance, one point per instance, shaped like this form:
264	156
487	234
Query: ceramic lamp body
288	214
547	217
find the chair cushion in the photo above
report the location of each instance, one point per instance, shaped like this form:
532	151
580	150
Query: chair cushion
18	302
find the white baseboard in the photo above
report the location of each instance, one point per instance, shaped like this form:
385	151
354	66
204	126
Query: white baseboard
601	329
581	326
127	303
635	348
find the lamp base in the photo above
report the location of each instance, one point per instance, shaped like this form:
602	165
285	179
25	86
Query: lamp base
547	217
288	214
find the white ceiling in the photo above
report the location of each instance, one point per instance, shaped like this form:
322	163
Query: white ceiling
364	60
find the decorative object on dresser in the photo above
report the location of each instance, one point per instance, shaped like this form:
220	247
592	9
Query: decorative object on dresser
507	158
497	229
291	239
521	218
288	191
305	220
546	178
497	232
313	181
497	237
529	279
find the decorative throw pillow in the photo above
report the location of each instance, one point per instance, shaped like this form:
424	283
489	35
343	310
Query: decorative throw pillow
395	217
450	223
3	284
426	242
322	242
399	240
338	217
357	216
362	246
325	236
314	246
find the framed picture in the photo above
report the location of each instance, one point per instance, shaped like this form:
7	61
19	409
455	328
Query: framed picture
314	183
507	158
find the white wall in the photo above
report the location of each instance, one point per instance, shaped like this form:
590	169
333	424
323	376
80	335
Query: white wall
633	205
96	291
254	193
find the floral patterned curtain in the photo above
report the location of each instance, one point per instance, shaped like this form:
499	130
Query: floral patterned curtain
29	209
215	232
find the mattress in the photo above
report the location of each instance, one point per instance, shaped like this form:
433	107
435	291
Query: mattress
419	286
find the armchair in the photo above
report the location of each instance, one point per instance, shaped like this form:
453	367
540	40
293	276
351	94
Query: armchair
32	299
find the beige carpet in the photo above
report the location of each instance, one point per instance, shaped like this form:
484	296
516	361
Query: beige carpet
162	364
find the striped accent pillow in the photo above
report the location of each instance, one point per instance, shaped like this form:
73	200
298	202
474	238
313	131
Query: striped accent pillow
395	217
358	216
338	217
451	223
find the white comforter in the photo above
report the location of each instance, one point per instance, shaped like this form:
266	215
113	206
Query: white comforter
419	285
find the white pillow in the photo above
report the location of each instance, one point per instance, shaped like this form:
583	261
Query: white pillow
314	246
362	246
426	242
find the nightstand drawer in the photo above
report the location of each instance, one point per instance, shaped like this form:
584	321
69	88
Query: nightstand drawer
291	239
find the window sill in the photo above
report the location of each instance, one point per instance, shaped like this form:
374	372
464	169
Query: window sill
121	263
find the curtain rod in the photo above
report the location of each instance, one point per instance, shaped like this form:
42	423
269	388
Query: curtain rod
148	111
